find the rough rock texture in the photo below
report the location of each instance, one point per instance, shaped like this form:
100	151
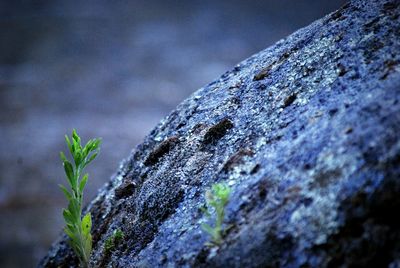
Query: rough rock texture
306	133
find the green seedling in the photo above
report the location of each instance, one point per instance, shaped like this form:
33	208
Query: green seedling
216	198
113	240
78	228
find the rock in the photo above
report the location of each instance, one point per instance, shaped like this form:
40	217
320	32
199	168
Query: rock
306	133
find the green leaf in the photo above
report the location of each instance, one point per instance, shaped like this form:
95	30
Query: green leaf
92	157
71	227
208	228
71	235
62	156
205	211
221	191
68	142
68	216
88	245
213	203
69	171
83	182
74	208
86	148
109	243
78	157
113	239
86	224
76	137
96	144
76	147
67	194
118	235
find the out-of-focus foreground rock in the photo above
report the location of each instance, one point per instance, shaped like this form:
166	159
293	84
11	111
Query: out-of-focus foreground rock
305	132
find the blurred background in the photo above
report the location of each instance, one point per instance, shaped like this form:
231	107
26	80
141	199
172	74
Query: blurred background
110	69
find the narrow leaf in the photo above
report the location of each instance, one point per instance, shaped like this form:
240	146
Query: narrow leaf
75	136
67	140
69	171
92	157
208	229
68	216
88	245
76	147
71	227
96	144
83	182
86	148
67	194
205	211
62	156
71	235
78	157
74	208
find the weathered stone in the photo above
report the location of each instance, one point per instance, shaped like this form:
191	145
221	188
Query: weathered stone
306	133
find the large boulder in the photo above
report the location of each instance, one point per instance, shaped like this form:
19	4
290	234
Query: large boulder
306	133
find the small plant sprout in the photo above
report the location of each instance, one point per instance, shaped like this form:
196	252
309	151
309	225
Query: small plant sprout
217	198
78	228
114	239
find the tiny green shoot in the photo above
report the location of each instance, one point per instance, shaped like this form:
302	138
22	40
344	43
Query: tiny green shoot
115	238
77	227
217	198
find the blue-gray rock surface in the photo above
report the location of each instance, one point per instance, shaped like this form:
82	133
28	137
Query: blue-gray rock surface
306	133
